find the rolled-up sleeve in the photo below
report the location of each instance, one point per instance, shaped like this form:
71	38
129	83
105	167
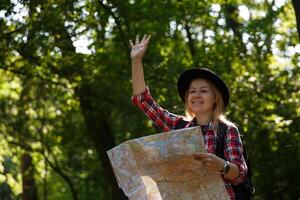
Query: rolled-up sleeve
234	153
165	120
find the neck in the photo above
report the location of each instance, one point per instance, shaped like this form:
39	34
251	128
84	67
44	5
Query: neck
203	119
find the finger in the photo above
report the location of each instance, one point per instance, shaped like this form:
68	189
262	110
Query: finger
148	38
144	38
205	160
131	43
137	39
203	155
197	158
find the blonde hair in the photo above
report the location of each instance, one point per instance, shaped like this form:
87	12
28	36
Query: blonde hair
218	109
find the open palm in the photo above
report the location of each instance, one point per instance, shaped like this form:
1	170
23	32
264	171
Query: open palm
139	48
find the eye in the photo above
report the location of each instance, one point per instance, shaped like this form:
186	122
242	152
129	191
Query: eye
192	91
204	91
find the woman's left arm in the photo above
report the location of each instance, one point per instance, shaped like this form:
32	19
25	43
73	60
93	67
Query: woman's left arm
233	152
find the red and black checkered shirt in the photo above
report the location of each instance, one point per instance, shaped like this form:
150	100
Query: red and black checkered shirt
166	121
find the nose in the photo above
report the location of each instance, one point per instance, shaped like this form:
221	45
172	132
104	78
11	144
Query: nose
197	95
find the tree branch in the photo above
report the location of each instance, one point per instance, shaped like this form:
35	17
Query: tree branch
125	38
191	42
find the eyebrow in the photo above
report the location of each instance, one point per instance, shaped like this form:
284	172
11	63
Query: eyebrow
202	87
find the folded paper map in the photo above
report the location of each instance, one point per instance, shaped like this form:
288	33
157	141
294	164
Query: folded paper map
161	167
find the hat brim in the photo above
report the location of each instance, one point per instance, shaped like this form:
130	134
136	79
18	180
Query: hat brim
187	76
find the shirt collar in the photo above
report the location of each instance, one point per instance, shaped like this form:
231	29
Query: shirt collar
209	125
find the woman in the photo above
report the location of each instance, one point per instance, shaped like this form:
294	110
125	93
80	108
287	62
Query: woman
205	96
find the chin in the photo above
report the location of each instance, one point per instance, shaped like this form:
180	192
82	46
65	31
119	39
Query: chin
197	111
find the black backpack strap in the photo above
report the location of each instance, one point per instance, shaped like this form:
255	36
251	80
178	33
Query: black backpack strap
220	140
180	124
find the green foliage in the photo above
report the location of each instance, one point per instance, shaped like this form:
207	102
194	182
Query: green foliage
55	96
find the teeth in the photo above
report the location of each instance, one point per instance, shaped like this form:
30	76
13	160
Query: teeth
197	102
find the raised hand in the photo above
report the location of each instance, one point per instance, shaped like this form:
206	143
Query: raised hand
138	48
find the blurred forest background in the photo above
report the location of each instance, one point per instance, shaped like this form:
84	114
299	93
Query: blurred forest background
65	87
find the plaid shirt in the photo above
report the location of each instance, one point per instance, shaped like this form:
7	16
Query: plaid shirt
167	121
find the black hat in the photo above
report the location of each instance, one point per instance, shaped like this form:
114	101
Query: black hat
187	76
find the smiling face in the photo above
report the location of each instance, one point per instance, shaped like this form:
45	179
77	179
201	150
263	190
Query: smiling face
200	98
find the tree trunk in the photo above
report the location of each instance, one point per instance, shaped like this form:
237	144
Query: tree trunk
296	5
28	182
100	134
231	18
